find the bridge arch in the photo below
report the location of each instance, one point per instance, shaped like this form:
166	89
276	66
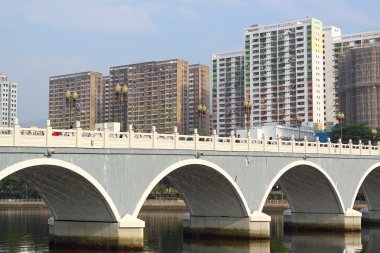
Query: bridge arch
72	197
217	193
308	188
369	182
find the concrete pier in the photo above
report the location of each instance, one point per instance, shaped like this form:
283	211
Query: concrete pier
349	221
255	226
127	234
370	216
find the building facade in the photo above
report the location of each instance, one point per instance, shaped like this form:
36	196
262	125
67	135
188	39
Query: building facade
107	99
337	45
359	78
228	92
8	101
87	108
283	66
195	94
330	75
154	98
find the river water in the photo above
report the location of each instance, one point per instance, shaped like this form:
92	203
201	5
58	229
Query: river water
26	230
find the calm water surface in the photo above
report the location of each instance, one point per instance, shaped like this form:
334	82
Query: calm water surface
26	230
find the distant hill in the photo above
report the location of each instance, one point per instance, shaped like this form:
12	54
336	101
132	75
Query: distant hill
41	123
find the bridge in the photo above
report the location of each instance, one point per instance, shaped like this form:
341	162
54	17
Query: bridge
95	182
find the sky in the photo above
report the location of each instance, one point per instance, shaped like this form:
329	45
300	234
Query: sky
43	38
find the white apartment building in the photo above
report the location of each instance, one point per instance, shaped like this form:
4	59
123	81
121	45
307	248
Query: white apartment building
8	101
228	92
337	44
330	73
283	66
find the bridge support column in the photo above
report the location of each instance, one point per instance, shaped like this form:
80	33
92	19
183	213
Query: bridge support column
371	216
255	226
348	221
126	234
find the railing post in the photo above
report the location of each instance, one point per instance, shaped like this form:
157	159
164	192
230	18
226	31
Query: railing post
105	135
318	144
329	145
196	138
279	144
340	145
305	143
249	139
130	135
350	145
49	133
264	143
215	138
78	135
154	137
293	143
378	147
16	132
176	137
232	139
369	147
360	147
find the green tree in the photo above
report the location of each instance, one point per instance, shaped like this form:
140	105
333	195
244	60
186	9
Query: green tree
355	132
13	187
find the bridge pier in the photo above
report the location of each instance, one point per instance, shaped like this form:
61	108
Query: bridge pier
370	216
127	234
348	221
255	226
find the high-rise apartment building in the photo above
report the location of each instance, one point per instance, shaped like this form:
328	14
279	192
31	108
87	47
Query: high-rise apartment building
359	79
155	95
283	66
336	45
228	92
87	108
329	76
107	99
196	94
8	101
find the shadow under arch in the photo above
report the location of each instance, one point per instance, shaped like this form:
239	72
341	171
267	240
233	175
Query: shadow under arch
370	184
308	188
207	189
71	193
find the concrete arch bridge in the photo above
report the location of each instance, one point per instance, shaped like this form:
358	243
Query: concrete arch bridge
95	182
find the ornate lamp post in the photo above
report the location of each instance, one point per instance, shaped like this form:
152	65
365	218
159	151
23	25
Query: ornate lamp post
374	133
71	100
299	120
201	110
340	118
247	111
121	93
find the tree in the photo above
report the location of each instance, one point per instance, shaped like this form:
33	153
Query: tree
355	132
13	187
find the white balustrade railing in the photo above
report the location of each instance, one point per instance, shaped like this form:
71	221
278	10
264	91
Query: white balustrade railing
48	137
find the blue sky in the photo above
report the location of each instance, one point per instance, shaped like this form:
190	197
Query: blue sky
42	38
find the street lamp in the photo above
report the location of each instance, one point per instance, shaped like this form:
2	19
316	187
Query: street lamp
340	118
247	111
121	93
71	100
201	110
374	133
299	120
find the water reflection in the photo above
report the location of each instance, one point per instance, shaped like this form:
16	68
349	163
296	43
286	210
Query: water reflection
26	230
260	246
323	242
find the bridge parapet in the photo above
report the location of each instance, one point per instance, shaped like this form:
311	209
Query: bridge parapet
48	137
